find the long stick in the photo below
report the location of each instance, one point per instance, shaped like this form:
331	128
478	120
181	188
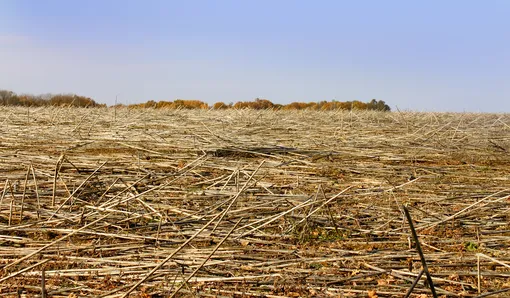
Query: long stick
238	195
420	252
467	208
23	270
492	259
36	192
478	274
304	204
206	259
57	169
76	190
43	284
24	195
323	204
415	282
493	293
4	191
54	242
169	257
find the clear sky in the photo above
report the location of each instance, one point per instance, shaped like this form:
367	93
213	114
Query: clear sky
418	55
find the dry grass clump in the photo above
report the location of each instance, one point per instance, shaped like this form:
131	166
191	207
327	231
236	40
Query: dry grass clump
243	203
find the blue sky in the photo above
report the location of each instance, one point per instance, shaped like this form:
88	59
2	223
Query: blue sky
417	55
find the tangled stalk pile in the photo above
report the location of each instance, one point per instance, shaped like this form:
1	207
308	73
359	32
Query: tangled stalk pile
243	203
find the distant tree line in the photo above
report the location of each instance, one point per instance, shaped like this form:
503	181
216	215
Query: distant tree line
264	104
176	104
9	98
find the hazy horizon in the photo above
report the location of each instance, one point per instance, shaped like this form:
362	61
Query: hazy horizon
422	56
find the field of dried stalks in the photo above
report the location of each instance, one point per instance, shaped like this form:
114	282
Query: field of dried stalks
239	203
